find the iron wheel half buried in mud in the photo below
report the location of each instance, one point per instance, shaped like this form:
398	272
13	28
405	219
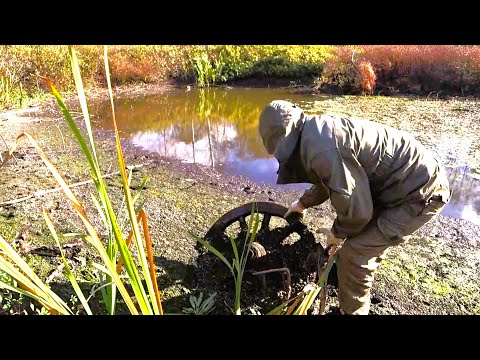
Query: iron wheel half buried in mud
279	262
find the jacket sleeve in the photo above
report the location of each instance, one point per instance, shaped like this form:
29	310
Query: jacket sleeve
349	191
314	196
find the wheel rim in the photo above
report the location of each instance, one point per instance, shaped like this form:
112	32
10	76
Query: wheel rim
280	243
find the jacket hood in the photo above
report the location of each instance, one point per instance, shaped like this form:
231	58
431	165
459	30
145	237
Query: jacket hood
281	124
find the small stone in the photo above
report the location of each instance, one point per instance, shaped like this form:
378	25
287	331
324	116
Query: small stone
248	190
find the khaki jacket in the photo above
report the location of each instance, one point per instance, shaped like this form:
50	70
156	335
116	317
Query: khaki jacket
360	166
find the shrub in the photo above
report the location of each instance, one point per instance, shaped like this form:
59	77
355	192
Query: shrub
344	73
450	68
367	76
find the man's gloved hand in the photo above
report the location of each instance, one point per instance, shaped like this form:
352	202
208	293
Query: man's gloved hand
331	239
296	206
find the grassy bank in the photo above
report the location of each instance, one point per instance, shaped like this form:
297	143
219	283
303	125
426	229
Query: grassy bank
435	273
439	69
21	66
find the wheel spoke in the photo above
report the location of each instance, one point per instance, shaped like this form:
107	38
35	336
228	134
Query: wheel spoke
282	233
266	222
243	224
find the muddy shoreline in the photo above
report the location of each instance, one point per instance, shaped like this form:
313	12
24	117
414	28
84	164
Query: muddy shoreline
436	272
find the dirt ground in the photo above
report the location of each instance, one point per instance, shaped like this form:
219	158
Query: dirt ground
436	272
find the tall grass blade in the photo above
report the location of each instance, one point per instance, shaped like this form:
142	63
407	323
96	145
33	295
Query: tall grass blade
83	100
50	308
110	292
98	180
70	275
281	308
95	170
312	295
237	267
148	304
236	261
213	250
29	283
96	242
131	210
252	230
151	263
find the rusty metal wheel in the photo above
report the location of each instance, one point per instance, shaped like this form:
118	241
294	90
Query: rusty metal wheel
281	247
276	237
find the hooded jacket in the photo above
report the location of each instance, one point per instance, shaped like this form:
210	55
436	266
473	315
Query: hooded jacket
358	164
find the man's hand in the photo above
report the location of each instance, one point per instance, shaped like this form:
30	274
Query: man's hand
332	240
296	206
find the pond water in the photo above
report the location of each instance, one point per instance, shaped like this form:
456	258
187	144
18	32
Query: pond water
218	128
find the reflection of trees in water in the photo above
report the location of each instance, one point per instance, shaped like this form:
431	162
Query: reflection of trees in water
466	188
189	114
214	148
204	111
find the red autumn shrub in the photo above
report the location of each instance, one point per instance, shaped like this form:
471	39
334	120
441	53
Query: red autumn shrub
124	70
367	76
348	72
426	67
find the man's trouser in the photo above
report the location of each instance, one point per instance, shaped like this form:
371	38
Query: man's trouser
360	255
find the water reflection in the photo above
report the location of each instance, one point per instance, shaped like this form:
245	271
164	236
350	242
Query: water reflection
202	150
214	127
218	128
465	201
